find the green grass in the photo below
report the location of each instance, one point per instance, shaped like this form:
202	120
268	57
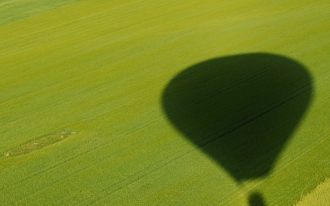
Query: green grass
38	143
14	10
319	196
100	68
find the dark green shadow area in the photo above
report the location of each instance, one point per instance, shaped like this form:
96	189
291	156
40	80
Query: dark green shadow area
241	110
256	199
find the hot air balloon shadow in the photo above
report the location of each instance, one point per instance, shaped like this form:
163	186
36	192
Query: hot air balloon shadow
240	110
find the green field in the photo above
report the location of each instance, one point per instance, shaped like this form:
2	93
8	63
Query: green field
163	102
319	196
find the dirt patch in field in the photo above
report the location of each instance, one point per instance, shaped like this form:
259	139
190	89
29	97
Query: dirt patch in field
40	143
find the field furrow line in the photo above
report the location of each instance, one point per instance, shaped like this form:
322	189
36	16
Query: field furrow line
250	118
51	167
99	161
77	155
312	146
140	175
214	93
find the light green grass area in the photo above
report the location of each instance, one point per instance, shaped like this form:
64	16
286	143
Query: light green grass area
100	68
320	196
14	10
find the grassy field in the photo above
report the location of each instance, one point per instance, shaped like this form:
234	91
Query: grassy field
319	196
14	10
163	102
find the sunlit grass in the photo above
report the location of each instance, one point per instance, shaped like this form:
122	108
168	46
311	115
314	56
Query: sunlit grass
319	196
100	68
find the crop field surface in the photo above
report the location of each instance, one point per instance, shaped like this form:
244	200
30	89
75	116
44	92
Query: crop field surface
163	102
319	196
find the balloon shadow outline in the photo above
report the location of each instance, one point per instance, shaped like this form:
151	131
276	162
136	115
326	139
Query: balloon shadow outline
241	110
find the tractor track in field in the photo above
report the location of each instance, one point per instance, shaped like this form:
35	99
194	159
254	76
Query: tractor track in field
141	174
72	158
